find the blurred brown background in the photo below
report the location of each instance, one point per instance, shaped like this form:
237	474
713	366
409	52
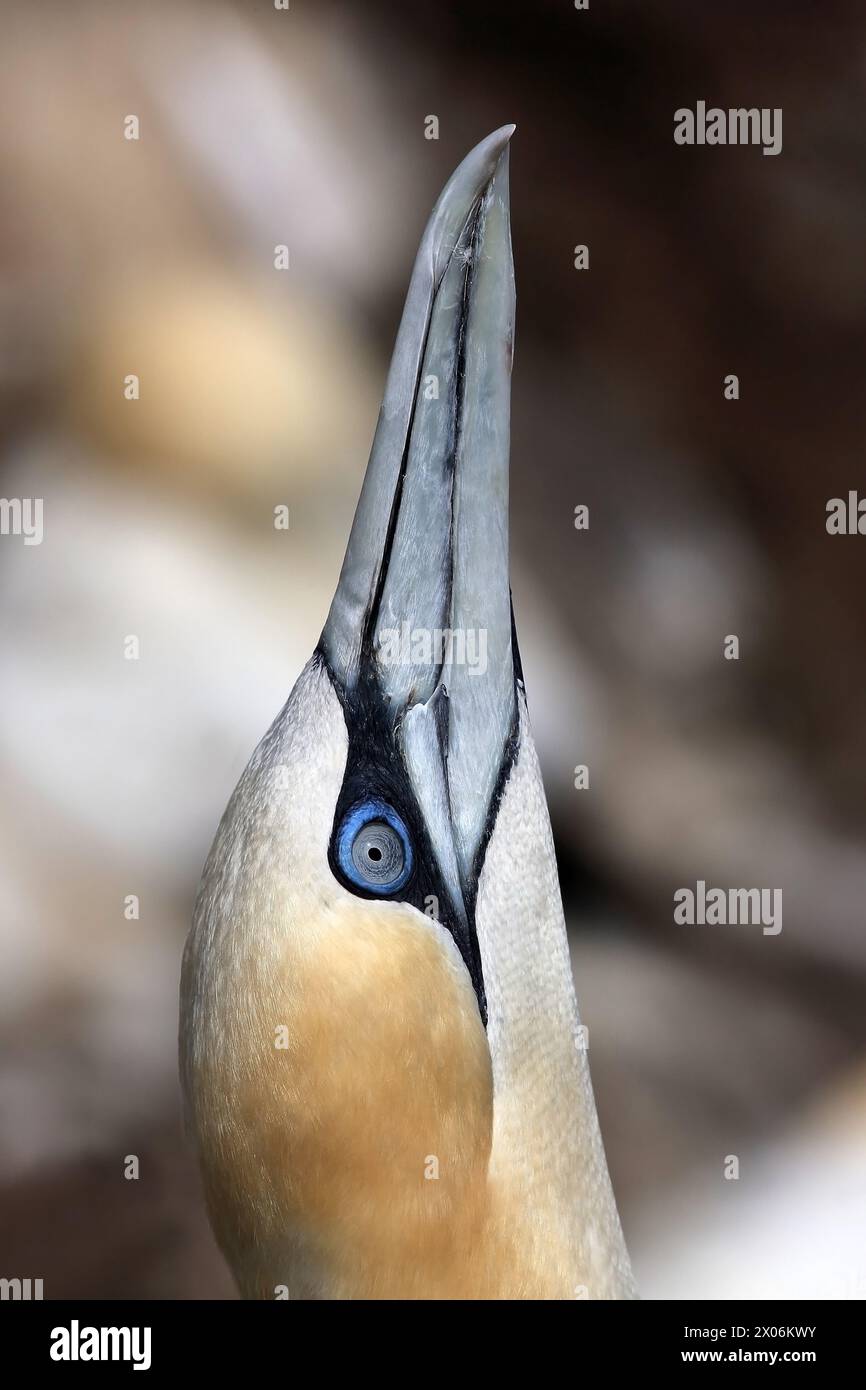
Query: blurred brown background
260	387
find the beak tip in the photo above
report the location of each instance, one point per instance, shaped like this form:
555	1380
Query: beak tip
497	141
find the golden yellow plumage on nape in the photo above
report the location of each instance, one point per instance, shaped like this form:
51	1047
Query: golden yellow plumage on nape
380	1044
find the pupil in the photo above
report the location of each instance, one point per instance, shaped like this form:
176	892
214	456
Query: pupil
374	853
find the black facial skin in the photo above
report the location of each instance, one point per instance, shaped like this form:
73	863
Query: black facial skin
375	770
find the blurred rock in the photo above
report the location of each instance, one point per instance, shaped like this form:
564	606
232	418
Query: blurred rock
246	389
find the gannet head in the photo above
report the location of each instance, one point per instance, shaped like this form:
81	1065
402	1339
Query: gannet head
379	1039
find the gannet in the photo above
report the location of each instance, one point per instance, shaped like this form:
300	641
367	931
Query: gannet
384	1069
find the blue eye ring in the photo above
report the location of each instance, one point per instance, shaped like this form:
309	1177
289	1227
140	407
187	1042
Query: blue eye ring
377	822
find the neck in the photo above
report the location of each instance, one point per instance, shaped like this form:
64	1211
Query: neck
547	1146
393	1151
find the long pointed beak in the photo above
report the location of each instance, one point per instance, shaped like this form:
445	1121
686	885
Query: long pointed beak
423	605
